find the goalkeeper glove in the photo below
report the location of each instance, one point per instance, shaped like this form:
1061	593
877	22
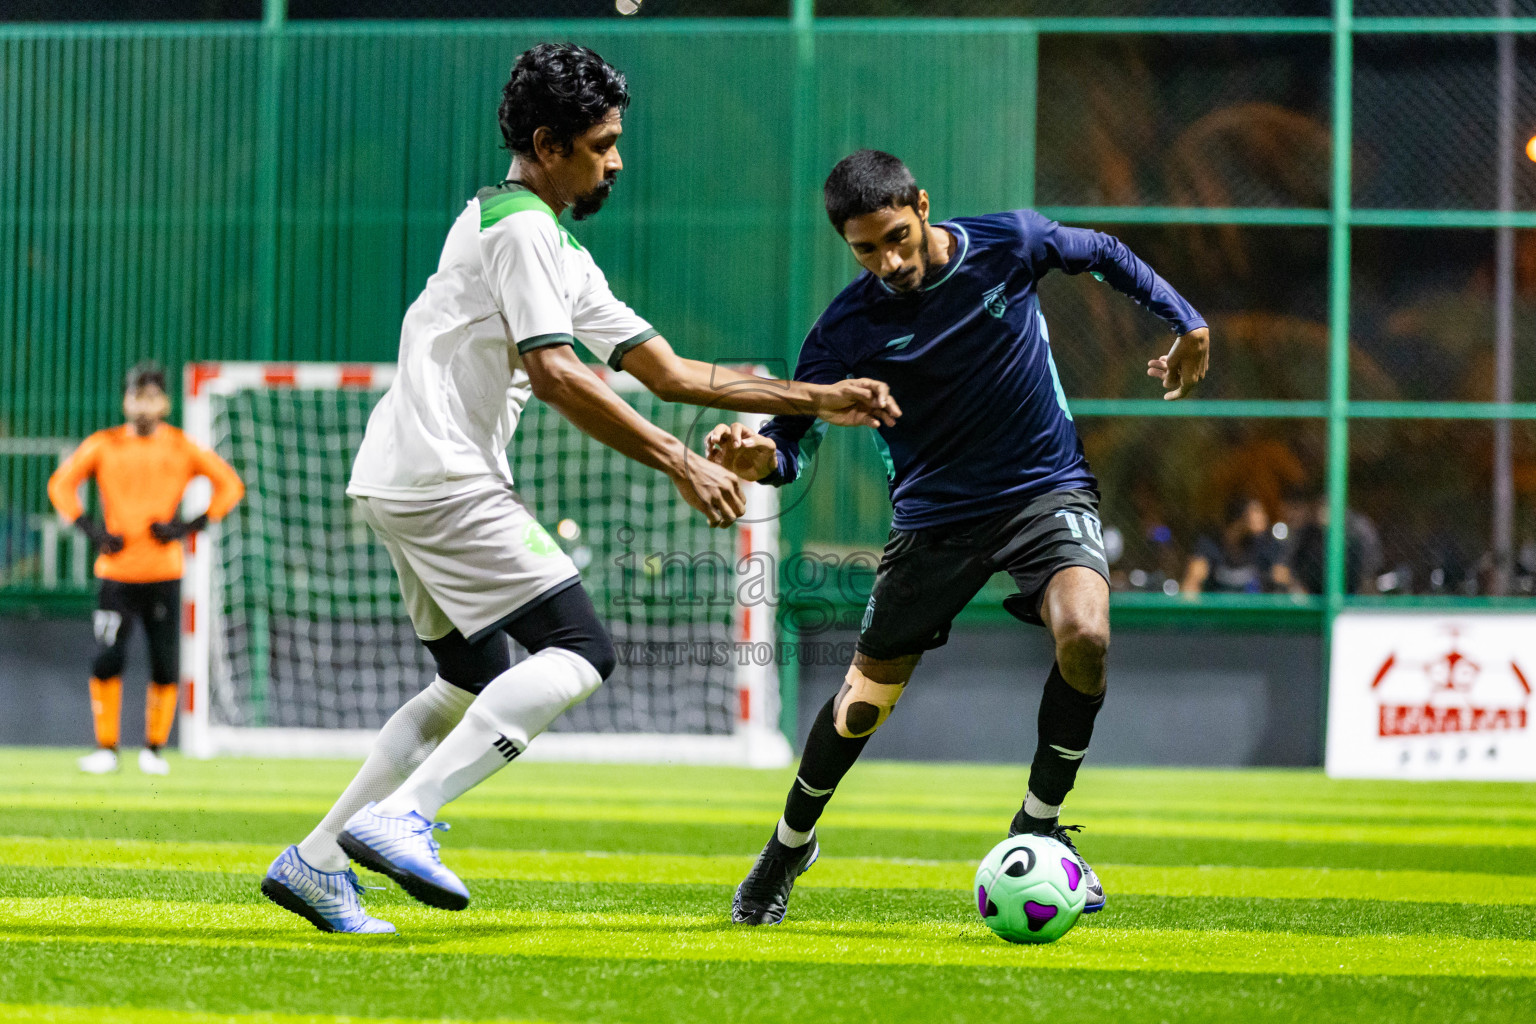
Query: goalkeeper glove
177	528
106	543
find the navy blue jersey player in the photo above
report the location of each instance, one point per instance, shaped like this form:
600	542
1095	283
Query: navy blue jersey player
986	474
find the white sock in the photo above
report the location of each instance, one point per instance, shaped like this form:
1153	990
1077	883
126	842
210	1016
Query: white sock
405	741
516	706
789	837
1036	808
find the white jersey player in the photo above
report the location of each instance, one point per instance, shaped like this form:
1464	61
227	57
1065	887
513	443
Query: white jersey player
497	323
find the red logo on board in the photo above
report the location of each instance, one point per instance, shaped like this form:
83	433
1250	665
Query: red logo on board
1459	697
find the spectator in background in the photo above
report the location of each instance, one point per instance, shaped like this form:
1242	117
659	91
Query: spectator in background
1244	559
1306	553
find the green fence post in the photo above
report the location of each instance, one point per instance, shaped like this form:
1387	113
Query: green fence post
801	177
1031	102
268	145
1338	329
274	20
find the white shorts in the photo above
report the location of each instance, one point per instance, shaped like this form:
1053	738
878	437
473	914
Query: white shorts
468	561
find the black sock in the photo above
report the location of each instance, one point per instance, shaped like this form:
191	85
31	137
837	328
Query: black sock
1066	721
827	758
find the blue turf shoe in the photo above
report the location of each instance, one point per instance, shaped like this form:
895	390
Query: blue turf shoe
326	899
403	849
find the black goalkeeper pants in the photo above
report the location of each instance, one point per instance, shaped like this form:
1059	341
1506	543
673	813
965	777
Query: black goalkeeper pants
157	606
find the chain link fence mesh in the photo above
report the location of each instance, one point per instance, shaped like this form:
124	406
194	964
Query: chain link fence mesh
1427	486
331	10
130	10
1184	121
1069	8
345	10
1426	122
1422	315
1264	292
1443	8
1174	489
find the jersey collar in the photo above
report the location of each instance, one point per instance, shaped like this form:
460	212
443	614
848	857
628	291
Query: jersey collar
954	263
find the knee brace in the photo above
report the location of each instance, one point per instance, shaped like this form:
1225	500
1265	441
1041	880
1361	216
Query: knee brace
863	705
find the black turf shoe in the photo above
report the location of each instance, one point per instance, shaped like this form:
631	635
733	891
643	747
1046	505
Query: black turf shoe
763	896
1061	833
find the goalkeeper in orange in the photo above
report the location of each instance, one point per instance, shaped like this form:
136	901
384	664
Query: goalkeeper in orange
141	470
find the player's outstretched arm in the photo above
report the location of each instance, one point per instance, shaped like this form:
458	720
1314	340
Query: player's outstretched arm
559	379
1185	364
860	402
1049	245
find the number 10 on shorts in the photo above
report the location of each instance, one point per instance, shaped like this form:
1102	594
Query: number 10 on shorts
1084	525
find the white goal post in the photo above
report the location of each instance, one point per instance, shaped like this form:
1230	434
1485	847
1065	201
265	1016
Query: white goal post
295	643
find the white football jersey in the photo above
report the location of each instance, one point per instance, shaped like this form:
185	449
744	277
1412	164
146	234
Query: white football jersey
510	280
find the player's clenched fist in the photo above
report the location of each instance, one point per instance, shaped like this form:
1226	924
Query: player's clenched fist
749	455
860	402
712	490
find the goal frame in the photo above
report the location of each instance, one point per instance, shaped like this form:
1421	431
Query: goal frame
756	740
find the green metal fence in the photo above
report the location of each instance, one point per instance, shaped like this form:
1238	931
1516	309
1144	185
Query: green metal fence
1345	196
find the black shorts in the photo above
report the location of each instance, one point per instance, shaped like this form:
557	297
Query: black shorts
158	607
927	576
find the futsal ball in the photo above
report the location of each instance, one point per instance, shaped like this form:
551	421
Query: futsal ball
1030	889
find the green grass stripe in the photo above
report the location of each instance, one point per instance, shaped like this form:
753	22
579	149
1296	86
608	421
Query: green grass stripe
740	840
1316	917
830	872
944	790
680	937
1407	810
347	980
884	781
936	785
688	814
56	1014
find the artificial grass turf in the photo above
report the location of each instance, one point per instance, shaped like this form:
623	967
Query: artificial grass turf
911	906
345	981
1329	914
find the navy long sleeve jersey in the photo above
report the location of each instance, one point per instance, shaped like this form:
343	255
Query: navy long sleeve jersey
985	425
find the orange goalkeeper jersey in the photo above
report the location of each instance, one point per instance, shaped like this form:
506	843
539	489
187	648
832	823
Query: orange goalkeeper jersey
141	480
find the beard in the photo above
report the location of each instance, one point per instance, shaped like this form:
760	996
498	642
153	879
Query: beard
925	269
586	205
930	270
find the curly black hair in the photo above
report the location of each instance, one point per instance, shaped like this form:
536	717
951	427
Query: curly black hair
560	86
143	375
867	181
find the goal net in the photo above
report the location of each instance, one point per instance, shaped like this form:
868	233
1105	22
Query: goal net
296	642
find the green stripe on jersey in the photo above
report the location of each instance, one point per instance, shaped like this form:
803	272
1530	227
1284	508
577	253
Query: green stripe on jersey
496	204
502	201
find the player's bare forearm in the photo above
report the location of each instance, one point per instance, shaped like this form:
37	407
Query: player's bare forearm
678	379
561	381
